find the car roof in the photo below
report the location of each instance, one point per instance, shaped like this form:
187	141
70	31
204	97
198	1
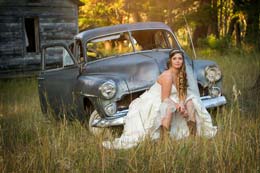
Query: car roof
92	33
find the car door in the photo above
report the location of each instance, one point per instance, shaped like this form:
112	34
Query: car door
57	79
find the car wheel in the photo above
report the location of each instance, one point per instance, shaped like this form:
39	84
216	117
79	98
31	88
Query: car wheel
108	132
96	131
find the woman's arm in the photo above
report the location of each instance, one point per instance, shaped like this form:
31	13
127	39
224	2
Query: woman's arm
165	81
167	106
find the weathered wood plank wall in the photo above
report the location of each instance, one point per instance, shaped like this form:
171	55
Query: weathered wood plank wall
58	22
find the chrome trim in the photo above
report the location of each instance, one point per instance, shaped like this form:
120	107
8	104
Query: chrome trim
210	102
87	95
217	72
119	117
113	105
112	85
215	88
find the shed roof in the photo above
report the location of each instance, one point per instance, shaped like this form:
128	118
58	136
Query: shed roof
78	2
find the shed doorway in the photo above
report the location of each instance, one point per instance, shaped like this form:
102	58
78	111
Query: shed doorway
32	42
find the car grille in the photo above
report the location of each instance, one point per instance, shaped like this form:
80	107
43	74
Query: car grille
127	99
203	91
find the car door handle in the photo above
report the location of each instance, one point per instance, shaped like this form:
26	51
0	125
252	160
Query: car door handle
40	78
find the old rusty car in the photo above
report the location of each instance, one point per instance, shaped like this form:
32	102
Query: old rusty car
97	76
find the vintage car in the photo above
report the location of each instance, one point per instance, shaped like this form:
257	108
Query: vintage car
97	76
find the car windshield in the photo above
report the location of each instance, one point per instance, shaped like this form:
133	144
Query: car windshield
123	43
153	39
109	45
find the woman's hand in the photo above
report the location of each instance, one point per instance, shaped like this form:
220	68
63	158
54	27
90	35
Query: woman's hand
182	109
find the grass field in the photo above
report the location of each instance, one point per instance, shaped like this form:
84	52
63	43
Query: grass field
31	142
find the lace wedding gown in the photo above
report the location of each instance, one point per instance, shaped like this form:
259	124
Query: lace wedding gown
145	115
144	118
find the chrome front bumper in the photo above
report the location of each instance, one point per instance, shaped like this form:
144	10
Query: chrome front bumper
211	102
116	120
119	117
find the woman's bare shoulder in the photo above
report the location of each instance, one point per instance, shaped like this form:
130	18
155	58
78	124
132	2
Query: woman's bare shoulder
165	77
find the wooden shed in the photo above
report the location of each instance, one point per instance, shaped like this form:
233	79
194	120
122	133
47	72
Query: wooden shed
25	25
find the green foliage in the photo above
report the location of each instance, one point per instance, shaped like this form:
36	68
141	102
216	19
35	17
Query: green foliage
214	43
100	13
204	17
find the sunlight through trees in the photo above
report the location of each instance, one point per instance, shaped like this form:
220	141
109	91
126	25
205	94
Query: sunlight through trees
231	22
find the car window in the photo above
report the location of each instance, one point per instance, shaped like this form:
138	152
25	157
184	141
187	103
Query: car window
153	39
110	45
57	57
67	60
171	40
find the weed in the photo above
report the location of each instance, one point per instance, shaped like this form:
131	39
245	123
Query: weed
32	142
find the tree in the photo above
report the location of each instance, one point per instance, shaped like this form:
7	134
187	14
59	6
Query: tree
245	13
96	13
209	17
135	10
252	10
233	19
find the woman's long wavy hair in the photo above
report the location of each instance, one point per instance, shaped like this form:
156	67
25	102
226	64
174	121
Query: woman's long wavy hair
181	84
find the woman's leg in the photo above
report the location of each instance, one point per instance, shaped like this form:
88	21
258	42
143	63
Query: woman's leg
165	126
167	108
167	113
191	119
166	120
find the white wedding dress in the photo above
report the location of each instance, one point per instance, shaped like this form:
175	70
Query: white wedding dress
145	115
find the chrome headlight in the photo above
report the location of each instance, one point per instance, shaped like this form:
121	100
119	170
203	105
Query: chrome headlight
212	73
215	91
110	109
108	89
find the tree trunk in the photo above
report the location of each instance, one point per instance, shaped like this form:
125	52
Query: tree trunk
238	34
203	27
257	84
235	26
221	18
199	32
213	28
252	29
232	26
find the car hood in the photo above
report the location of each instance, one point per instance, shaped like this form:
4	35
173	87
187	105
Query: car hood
139	71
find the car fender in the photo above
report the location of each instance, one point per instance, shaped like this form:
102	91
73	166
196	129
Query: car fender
199	69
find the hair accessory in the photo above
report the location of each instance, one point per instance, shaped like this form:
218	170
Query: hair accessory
174	51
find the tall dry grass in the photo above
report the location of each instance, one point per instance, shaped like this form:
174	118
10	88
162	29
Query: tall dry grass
31	142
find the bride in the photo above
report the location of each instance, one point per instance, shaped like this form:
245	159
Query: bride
171	107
